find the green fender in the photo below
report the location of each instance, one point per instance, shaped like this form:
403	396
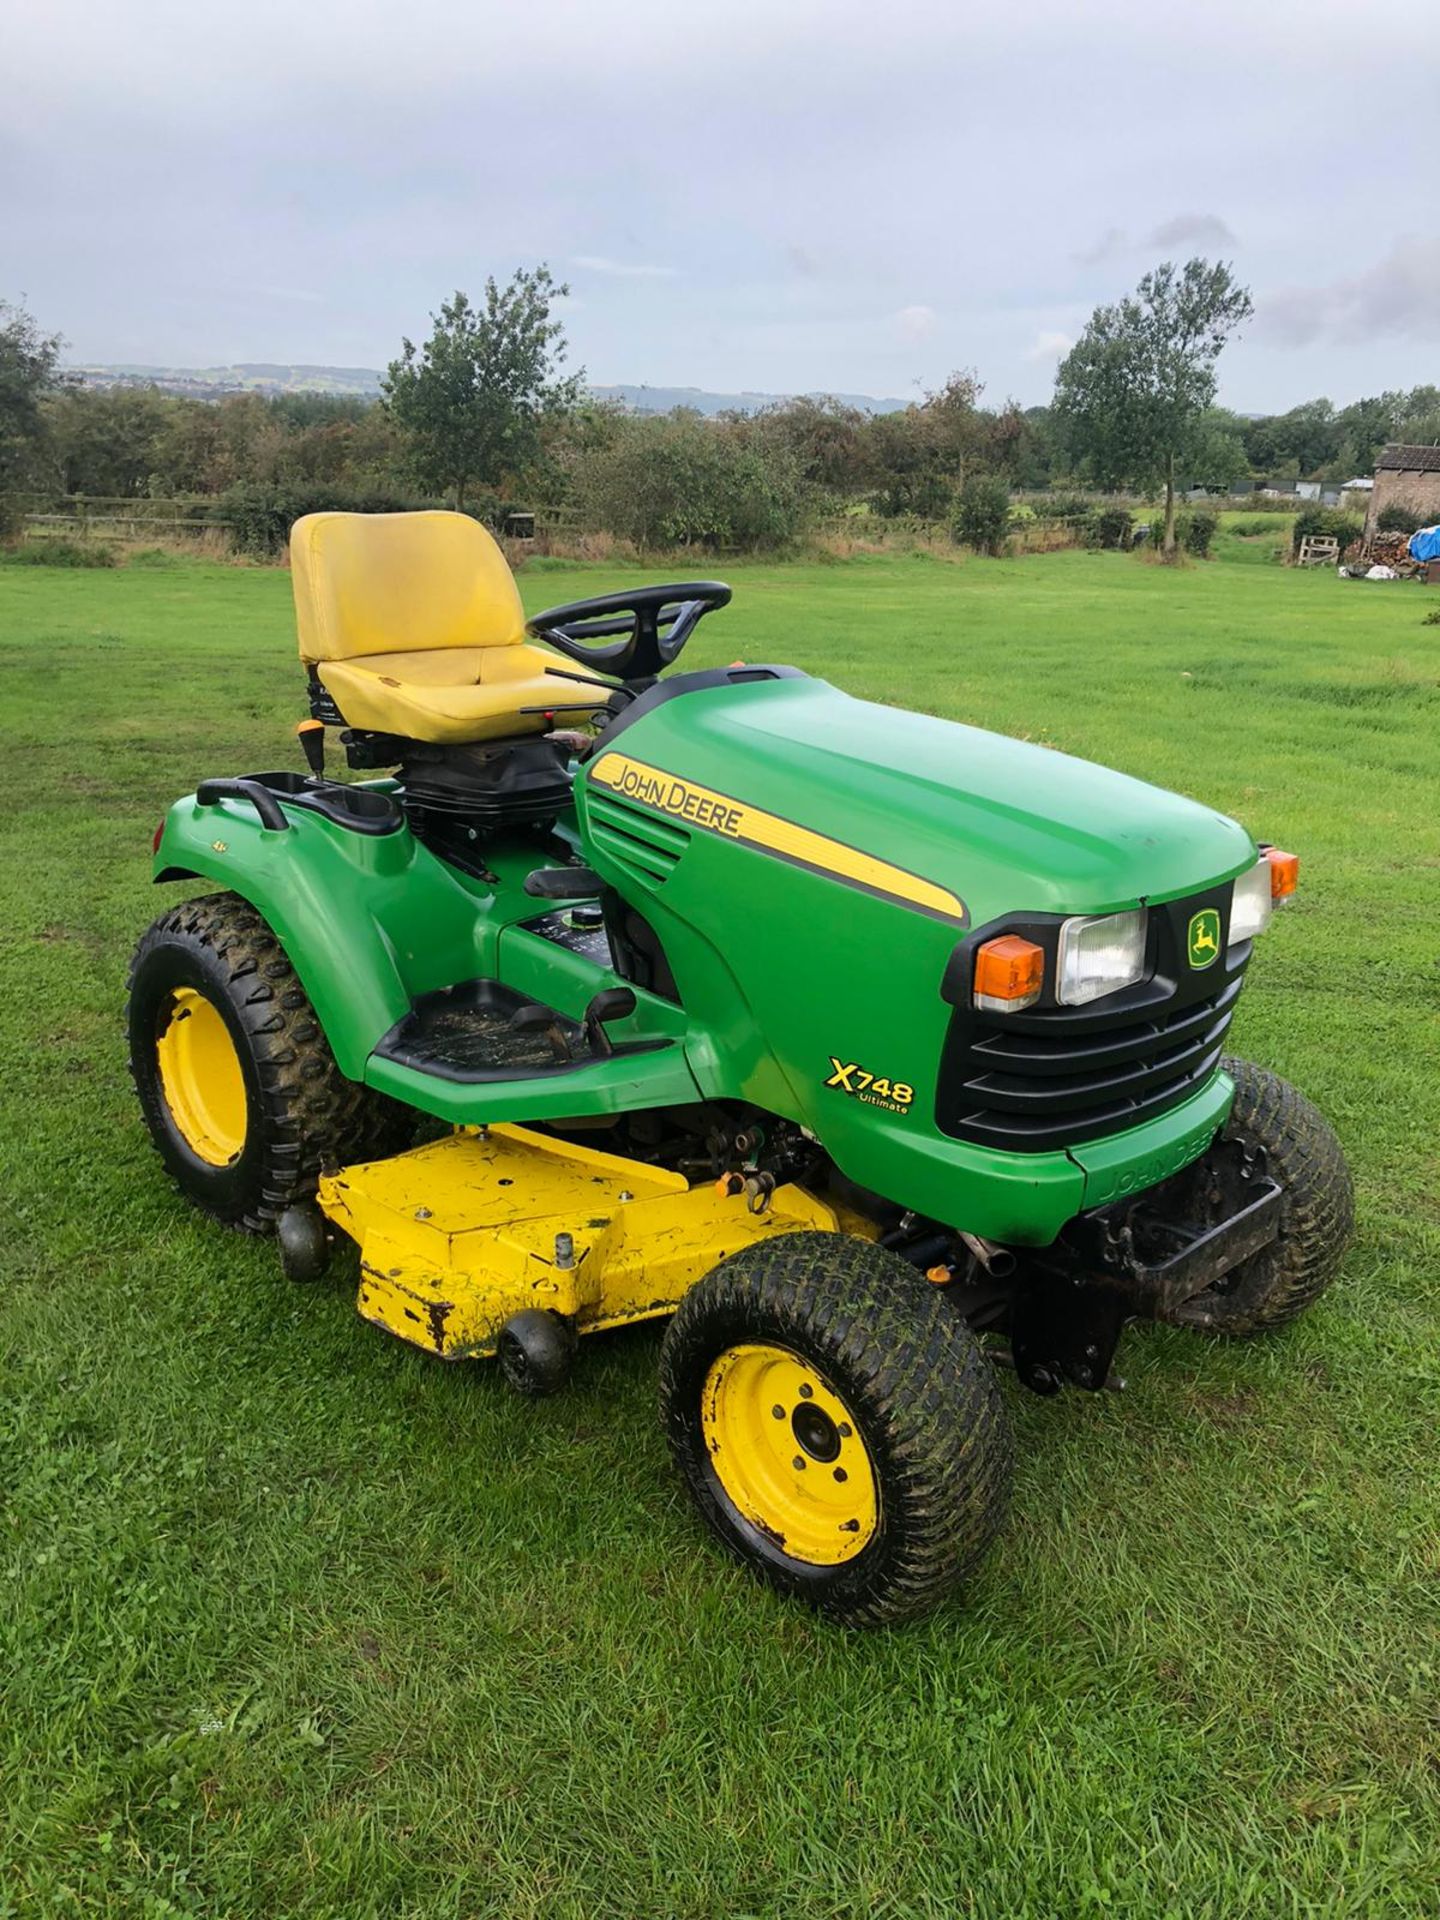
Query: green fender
368	920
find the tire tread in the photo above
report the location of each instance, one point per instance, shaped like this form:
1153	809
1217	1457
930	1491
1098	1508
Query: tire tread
926	1391
313	1117
1303	1154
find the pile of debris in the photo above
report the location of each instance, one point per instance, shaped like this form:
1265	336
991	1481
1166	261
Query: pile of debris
1384	556
1391	550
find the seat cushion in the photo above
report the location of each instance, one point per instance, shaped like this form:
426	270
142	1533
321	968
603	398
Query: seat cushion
368	583
454	694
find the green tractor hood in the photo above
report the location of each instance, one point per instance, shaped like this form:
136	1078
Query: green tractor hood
1006	826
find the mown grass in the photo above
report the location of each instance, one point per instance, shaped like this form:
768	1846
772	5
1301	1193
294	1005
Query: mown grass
294	1621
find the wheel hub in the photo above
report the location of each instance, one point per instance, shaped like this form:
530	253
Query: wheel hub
816	1432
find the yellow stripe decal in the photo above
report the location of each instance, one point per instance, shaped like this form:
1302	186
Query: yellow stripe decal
734	820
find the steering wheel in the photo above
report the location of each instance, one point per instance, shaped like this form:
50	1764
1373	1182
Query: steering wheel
653	624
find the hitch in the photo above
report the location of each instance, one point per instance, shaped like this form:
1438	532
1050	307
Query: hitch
1065	1328
1138	1259
1179	1238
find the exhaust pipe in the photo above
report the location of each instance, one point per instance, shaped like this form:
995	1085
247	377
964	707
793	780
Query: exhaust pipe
998	1261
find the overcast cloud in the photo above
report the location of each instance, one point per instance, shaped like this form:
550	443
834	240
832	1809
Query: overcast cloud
761	194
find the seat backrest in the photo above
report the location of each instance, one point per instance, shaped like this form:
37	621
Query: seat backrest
399	583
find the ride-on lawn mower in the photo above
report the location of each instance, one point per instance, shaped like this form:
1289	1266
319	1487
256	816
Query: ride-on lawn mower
876	1050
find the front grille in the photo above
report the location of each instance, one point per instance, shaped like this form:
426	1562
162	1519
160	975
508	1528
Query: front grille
1060	1082
1053	1077
1058	1076
648	849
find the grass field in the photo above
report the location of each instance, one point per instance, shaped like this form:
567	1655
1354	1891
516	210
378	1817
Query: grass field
294	1622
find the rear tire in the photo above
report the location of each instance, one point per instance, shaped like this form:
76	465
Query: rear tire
236	1079
838	1425
1317	1213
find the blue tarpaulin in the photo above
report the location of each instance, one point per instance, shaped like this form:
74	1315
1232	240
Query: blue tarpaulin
1425	545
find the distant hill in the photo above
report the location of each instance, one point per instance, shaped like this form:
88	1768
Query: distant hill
261	376
249	376
666	399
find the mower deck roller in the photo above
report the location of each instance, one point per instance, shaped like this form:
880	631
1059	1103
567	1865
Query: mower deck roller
870	1048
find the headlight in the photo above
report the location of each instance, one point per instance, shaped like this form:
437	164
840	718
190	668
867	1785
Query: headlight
1100	953
1251	902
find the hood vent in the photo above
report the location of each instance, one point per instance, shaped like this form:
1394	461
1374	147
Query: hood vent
648	849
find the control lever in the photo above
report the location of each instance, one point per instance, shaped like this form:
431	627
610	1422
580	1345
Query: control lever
537	1019
611	1003
312	740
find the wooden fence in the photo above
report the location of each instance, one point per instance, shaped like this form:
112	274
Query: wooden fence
84	515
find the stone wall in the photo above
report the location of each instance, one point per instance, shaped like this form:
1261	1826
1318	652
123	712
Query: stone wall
1417	492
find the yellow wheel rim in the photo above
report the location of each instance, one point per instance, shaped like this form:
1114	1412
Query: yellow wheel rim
787	1451
201	1078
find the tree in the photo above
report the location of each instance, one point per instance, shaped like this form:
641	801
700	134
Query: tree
1313	441
29	362
822	436
187	451
106	440
1304	439
677	480
920	455
956	425
473	398
900	453
983	513
1131	395
1005	439
1035	456
1215	457
1362	429
1417	420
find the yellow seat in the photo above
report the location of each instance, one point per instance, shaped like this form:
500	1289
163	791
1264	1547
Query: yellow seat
414	626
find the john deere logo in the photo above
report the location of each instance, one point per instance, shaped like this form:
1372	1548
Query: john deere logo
1203	943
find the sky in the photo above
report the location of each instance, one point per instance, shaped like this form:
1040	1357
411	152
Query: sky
775	195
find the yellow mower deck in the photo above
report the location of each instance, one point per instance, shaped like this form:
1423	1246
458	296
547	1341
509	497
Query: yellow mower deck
457	1237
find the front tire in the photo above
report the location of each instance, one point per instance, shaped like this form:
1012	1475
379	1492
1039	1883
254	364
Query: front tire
1317	1217
838	1425
236	1080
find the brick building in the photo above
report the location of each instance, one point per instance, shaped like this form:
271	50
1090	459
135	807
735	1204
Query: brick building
1406	477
